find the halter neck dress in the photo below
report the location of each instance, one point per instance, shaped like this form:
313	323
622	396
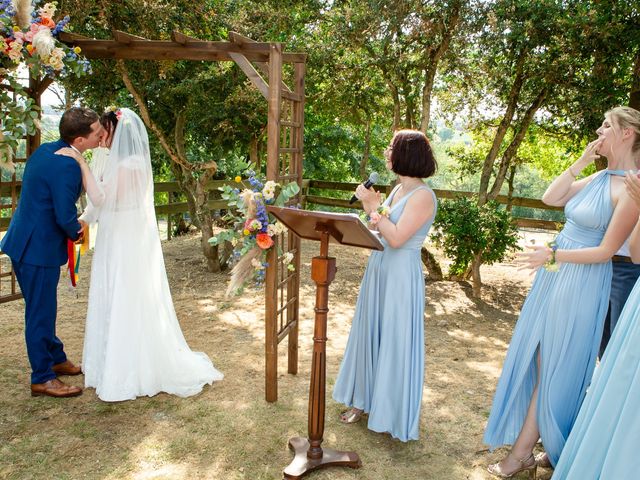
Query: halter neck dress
562	318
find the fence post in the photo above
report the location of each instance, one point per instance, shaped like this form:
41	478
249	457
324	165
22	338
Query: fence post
169	199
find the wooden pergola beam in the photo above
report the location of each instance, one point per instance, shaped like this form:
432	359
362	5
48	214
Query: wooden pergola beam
130	47
262	66
251	73
126	38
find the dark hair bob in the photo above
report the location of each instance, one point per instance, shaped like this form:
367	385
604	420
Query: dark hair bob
411	154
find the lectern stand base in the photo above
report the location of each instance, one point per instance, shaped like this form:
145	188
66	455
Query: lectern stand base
301	465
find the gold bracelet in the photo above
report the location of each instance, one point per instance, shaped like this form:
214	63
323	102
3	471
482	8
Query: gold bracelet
571	172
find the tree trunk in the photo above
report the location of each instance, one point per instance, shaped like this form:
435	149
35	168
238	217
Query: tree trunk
396	106
634	97
433	267
409	102
429	77
510	180
364	161
253	153
512	103
512	149
434	60
475	272
209	251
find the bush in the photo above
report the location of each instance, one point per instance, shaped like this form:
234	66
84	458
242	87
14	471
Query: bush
466	231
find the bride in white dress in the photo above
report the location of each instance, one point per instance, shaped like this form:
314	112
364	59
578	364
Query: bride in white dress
133	342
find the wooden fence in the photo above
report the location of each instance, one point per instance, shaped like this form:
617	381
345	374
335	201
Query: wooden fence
503	199
176	207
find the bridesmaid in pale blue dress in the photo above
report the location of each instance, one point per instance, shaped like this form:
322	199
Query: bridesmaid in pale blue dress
605	438
555	342
382	372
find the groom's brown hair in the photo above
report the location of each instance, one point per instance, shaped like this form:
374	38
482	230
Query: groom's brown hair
76	122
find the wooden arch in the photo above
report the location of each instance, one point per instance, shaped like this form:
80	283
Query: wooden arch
263	65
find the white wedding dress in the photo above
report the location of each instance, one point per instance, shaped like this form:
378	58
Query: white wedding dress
133	342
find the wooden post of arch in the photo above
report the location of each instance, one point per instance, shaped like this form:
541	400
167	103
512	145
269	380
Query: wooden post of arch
273	164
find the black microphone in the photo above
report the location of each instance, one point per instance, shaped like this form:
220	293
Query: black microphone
373	178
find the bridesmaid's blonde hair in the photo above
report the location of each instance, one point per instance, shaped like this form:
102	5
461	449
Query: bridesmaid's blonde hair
626	117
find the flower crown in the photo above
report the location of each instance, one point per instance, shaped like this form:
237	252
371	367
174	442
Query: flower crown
114	109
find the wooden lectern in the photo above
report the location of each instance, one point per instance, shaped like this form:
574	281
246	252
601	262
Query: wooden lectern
339	228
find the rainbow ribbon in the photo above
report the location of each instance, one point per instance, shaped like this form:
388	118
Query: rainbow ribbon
75	252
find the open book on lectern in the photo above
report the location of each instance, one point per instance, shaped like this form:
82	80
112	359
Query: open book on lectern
344	228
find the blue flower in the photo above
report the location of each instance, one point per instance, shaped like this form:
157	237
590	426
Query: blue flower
6	6
60	26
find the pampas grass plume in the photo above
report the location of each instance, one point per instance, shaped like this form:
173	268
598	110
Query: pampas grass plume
23	9
242	271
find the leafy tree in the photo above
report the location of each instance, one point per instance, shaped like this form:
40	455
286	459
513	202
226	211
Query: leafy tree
471	235
404	43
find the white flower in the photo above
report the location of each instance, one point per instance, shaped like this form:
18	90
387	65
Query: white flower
268	194
287	257
270	185
47	10
257	264
269	190
271	230
279	228
44	43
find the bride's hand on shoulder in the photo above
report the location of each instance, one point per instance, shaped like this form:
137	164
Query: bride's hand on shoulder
70	152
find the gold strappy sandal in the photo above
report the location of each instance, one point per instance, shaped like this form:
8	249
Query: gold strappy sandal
542	460
352	415
527	464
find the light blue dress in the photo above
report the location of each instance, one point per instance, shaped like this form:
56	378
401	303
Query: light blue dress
563	317
605	438
382	371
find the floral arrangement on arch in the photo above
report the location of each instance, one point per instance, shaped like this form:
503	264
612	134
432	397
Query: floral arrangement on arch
29	36
253	229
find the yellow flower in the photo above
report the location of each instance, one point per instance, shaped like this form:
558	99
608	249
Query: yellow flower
29	48
16	28
238	179
77	50
246	231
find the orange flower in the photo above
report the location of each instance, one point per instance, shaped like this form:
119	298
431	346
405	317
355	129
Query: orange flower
264	241
47	22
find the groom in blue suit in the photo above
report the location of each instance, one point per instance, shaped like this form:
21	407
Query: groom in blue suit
36	242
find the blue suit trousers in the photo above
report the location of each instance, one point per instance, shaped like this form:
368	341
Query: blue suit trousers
624	278
39	287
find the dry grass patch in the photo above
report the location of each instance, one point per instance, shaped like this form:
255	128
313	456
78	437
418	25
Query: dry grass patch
228	431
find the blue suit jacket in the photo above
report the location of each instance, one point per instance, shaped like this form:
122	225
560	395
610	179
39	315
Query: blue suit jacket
46	215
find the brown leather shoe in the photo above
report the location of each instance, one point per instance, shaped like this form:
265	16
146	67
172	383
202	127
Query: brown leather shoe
54	388
66	368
